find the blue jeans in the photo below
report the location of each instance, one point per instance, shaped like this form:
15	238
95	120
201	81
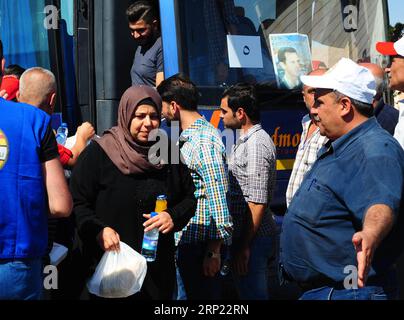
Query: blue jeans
254	285
366	293
21	279
190	266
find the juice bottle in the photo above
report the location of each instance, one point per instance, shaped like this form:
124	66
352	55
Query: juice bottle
161	203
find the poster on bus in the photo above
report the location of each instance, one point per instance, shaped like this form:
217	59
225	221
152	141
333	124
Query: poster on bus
292	58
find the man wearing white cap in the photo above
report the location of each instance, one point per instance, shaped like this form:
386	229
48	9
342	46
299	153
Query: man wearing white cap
396	72
342	233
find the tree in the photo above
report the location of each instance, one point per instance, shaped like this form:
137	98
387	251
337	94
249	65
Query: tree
395	33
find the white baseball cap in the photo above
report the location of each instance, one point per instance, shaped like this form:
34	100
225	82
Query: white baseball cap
348	78
391	48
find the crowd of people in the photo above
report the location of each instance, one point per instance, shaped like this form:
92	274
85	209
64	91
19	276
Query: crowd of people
341	235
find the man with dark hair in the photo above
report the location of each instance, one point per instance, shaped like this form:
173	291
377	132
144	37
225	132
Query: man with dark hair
343	231
10	82
252	172
201	147
290	63
147	66
32	184
14	70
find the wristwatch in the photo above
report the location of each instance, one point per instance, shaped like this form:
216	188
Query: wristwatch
213	255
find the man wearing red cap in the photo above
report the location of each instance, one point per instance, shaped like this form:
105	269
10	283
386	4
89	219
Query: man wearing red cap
396	73
10	84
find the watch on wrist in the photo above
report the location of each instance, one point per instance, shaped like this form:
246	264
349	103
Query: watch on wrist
213	255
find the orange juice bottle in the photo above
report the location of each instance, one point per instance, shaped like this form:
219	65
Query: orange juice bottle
161	204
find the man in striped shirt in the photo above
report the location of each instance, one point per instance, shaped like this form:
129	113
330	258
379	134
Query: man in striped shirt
202	150
310	143
252	173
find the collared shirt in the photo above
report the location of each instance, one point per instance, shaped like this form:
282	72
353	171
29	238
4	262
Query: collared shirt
363	168
252	173
284	83
204	153
305	157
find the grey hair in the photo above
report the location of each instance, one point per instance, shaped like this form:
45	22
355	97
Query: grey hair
363	108
37	92
380	85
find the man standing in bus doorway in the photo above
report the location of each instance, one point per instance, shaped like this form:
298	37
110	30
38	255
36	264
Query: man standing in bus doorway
343	231
202	150
311	142
396	73
32	185
252	173
289	61
147	66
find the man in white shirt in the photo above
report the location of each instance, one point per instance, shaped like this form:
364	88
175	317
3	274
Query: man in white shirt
396	74
310	143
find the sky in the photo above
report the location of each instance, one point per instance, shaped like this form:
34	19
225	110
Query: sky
396	11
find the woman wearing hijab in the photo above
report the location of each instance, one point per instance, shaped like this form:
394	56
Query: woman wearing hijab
114	188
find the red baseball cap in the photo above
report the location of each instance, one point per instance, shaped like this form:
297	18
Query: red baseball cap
391	48
11	84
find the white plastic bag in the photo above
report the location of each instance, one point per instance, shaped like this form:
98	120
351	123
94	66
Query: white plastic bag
118	275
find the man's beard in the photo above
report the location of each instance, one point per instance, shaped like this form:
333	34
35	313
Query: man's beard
146	42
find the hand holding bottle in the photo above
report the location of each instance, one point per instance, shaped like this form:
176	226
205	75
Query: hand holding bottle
162	221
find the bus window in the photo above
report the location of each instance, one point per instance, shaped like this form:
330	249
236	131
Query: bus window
67	15
205	41
329	29
24	36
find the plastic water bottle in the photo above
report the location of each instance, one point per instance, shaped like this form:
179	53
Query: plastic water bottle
150	241
61	134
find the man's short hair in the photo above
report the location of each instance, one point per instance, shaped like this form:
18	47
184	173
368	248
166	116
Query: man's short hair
380	86
142	10
243	95
364	109
14	70
282	53
37	92
182	90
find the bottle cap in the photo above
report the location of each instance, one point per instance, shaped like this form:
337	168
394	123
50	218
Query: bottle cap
153	214
64	124
162	197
